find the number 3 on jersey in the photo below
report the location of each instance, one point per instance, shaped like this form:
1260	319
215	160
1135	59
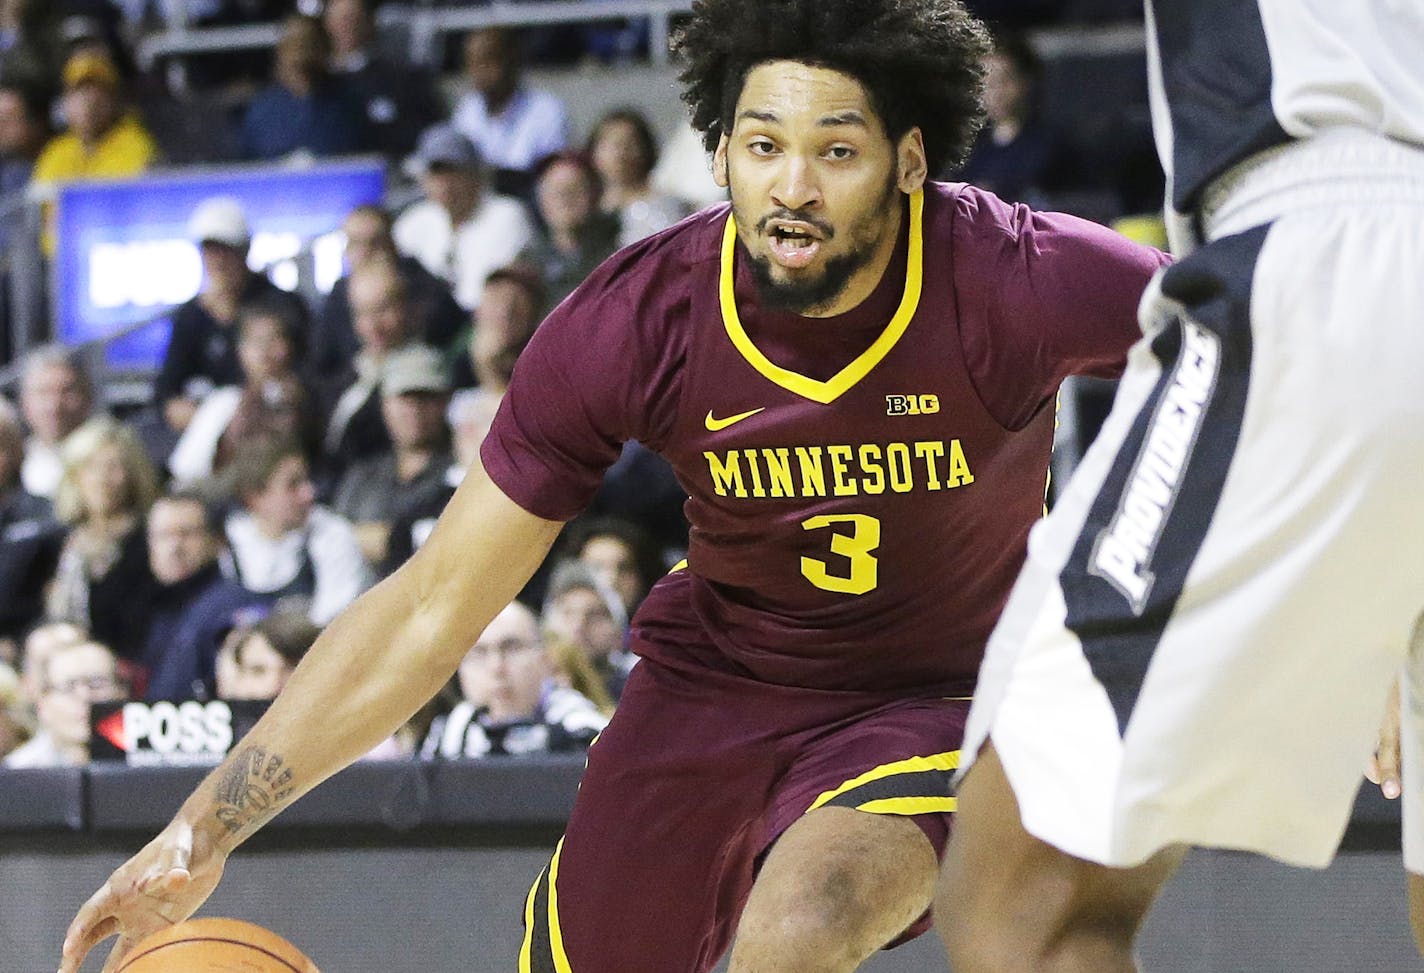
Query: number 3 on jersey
858	547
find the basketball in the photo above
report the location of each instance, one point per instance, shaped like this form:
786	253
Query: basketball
216	946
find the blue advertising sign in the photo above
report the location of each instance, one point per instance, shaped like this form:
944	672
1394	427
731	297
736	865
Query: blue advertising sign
123	255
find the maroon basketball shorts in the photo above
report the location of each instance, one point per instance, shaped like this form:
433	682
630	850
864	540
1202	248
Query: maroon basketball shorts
692	782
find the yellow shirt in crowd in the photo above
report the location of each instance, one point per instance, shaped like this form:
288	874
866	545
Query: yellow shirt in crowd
126	150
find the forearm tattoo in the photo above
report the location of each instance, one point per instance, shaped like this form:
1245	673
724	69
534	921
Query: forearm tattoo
253	790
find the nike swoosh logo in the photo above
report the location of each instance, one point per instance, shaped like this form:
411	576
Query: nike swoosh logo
717	425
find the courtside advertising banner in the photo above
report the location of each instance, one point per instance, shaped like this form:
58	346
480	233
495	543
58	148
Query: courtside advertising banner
123	256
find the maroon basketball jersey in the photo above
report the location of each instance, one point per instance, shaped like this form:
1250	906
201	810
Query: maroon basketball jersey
860	487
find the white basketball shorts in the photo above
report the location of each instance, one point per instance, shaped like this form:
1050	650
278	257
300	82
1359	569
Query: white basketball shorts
1200	646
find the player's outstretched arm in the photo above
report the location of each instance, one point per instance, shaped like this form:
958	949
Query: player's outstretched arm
372	668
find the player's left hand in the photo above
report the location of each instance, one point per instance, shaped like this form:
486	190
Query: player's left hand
1383	768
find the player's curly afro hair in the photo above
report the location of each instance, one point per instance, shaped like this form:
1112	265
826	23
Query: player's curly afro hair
920	61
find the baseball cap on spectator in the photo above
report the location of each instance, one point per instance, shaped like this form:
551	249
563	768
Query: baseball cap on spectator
88	67
220	219
444	146
415	368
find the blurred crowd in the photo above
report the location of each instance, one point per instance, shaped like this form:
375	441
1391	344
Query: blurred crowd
294	453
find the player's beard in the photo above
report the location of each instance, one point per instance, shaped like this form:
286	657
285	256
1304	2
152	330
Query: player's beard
807	293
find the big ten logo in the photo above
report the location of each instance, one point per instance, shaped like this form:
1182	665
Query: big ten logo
911	405
164	272
190	727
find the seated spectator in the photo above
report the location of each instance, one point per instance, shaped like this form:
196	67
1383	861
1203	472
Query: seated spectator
193	604
399	102
624	152
1016	156
272	402
73	678
619	553
56	398
265	653
30	540
103	581
305	109
14	725
470	420
39	644
581	611
24	129
103	141
575	237
415	392
380	312
514	702
513	125
435	316
282	543
684	169
460	231
202	352
31	48
509	311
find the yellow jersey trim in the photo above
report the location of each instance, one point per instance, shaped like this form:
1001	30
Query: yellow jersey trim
911	765
527	947
910	805
556	938
832	389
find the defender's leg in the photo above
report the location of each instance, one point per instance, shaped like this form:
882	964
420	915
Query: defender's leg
1010	903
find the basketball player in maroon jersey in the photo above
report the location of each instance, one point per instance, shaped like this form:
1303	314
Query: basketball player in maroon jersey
853	371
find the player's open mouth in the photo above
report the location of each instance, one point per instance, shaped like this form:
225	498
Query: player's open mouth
793	245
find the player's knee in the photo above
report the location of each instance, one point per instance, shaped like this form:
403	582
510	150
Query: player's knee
827	918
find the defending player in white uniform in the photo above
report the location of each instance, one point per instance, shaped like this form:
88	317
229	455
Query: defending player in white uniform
1201	644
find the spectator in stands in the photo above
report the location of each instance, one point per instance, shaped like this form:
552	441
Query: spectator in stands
56	398
470	419
282	543
514	126
72	679
575	236
459	231
684	169
39	645
202	352
619	553
272	402
509	311
31	48
30	540
14	725
398	102
306	109
581	611
24	129
266	652
1016	156
381	316
415	393
193	603
624	152
514	702
103	140
436	317
103	580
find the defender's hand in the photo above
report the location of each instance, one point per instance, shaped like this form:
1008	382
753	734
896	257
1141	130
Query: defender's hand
1384	765
162	885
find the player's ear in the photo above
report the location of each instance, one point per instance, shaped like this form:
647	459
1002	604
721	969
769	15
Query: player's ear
719	163
912	164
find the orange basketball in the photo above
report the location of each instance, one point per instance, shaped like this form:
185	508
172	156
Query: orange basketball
216	946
